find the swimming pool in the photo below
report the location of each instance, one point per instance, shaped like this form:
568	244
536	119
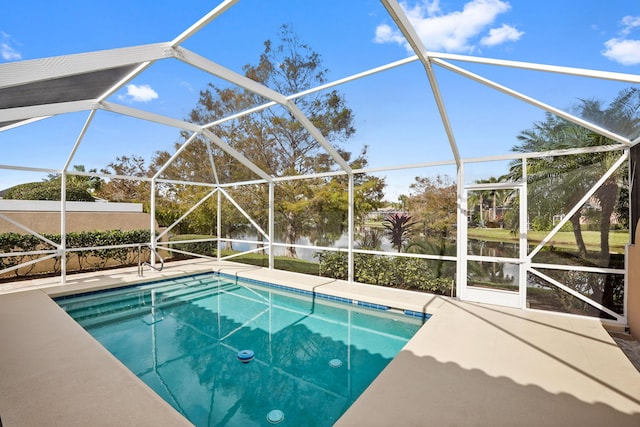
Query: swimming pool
224	351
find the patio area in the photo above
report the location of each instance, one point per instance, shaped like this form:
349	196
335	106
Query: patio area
470	364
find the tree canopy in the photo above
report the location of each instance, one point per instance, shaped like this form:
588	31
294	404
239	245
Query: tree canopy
47	190
276	142
79	188
433	205
557	183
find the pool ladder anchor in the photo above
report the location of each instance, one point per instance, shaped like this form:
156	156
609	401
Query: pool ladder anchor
142	264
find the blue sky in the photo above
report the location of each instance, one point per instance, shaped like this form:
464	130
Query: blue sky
395	112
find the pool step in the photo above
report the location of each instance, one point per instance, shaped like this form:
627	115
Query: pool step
132	303
131	293
109	314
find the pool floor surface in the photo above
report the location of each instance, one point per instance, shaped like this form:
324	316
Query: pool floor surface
470	365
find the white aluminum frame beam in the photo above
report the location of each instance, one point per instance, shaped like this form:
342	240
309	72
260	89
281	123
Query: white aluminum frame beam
180	124
271	223
241	183
550	153
315	89
236	154
63	224
434	56
534	102
28	263
147	116
210	67
153	240
219	226
38	111
576	294
175	155
34	70
63	196
293	108
117	86
83	132
22	123
180	182
350	230
111	176
523	219
213	163
461	235
203	22
572	71
448	258
186	214
30	231
217	70
29	169
579	204
245	214
566	267
580	72
405	26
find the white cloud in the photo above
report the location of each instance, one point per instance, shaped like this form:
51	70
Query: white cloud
7	51
142	93
386	34
453	32
629	23
433	7
624	50
504	34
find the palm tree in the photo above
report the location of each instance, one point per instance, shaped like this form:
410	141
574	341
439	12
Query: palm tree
89	183
398	227
620	116
553	181
563	180
493	194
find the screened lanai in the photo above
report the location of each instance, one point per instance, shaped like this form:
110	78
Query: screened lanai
513	194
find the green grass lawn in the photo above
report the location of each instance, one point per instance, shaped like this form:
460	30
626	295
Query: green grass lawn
618	239
280	263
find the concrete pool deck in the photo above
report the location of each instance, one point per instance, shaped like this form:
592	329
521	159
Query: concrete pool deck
469	365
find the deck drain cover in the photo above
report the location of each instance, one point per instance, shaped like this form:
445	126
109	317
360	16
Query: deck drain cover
275	417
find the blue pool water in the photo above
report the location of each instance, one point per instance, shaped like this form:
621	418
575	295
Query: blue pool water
183	337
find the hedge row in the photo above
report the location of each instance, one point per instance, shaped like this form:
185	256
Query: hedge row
202	248
86	260
398	272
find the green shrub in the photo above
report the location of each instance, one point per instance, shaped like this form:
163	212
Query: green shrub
399	272
16	243
333	264
373	269
86	260
202	248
